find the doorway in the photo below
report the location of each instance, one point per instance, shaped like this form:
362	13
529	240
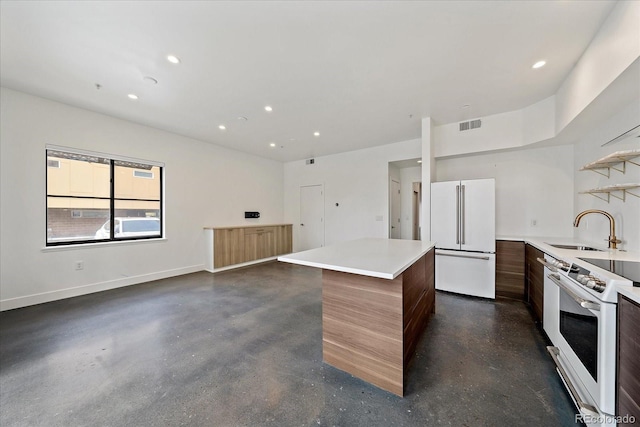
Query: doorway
311	231
416	209
395	209
405	175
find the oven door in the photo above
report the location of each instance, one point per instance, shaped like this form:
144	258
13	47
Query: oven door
584	334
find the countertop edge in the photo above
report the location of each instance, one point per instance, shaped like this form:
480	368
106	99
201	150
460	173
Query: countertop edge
630	292
341	269
389	275
243	226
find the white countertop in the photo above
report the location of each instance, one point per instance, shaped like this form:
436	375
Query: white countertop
544	244
572	255
630	292
375	257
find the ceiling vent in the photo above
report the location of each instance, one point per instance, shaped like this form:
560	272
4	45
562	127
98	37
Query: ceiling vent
310	161
473	124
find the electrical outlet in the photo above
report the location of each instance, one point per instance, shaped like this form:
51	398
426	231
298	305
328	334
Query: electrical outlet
534	222
79	265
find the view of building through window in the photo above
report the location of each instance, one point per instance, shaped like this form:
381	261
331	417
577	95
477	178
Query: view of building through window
83	202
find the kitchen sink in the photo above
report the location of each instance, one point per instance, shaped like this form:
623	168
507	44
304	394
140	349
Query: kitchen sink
575	247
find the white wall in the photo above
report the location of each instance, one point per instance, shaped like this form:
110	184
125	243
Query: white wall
610	53
594	227
358	181
205	185
531	184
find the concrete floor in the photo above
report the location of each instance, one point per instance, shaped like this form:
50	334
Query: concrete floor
243	348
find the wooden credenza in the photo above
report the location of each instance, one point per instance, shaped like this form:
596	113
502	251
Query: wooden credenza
229	246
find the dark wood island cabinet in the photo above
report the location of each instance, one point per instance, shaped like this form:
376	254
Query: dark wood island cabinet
628	366
534	281
377	297
510	269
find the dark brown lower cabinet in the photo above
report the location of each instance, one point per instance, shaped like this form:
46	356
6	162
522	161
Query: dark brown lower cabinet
510	268
628	369
534	281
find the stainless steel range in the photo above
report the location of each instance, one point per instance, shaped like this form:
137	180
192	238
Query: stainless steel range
580	302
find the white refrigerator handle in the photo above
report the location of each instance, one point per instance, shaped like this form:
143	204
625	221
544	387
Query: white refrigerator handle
462	219
457	214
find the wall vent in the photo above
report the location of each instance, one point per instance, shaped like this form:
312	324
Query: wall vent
473	124
311	161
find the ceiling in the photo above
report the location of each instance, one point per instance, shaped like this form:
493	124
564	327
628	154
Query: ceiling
361	73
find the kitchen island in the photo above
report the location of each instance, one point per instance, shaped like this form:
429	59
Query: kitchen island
377	296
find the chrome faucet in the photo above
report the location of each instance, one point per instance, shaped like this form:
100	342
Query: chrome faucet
613	241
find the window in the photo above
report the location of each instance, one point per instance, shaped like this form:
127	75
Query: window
94	197
143	174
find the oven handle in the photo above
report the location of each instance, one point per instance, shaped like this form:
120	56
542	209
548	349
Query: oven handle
584	407
590	305
546	264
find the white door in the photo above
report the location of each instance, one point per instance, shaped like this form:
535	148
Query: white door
311	230
444	214
394	216
478	222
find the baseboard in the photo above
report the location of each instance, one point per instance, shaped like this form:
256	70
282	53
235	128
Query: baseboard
11	303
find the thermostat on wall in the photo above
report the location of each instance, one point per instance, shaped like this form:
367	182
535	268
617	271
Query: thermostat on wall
252	214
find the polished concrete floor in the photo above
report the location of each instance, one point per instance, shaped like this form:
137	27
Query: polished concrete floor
243	348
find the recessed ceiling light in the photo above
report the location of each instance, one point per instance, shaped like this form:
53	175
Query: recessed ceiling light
273	144
150	79
419	161
173	59
132	96
222	127
242	118
268	108
316	134
539	64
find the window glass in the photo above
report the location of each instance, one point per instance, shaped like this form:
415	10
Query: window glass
78	190
82	200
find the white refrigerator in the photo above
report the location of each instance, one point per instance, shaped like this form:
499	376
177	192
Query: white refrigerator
463	227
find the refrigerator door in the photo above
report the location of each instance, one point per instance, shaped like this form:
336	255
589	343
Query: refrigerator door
445	219
478	215
467	273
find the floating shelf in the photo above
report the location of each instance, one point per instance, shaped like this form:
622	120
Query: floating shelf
619	191
616	161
